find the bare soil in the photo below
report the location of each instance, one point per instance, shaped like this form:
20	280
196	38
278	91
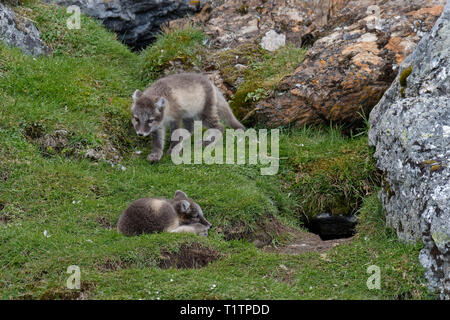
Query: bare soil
302	242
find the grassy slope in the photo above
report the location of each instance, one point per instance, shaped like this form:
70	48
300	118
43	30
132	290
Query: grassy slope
90	75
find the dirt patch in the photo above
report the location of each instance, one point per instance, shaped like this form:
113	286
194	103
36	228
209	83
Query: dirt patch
188	256
67	294
4	218
56	142
296	241
110	264
50	144
34	131
10	212
59	142
105	223
4	176
302	242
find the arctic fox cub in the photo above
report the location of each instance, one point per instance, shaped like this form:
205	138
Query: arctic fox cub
149	215
183	97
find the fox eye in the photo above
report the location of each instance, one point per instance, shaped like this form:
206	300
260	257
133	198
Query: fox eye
136	119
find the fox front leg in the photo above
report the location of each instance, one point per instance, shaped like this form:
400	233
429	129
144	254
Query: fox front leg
197	228
157	145
174	125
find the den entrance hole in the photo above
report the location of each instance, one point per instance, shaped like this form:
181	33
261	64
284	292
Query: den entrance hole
330	227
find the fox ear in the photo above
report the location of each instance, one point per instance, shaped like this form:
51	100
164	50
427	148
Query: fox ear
184	206
161	103
137	94
180	195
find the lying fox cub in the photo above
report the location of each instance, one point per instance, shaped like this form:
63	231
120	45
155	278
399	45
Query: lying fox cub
149	215
183	97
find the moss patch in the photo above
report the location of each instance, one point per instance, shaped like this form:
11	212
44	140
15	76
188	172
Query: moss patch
181	45
403	80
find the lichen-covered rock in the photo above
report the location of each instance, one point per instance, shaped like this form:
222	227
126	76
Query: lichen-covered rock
135	21
238	21
19	32
272	41
351	64
410	128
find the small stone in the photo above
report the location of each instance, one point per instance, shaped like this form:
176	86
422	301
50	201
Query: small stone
240	67
272	41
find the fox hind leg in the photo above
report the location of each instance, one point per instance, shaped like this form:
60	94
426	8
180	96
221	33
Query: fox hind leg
211	123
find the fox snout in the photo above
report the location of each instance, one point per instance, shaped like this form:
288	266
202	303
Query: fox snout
142	133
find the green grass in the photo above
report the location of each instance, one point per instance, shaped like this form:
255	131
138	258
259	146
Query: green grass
181	45
84	87
327	172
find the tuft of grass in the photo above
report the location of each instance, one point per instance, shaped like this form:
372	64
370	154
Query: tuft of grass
88	41
327	172
182	45
403	80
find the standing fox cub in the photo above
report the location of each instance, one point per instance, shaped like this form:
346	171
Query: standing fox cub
149	215
183	97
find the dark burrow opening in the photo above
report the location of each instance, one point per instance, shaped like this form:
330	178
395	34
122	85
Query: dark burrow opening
330	227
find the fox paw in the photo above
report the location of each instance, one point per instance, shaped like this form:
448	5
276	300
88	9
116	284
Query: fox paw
154	157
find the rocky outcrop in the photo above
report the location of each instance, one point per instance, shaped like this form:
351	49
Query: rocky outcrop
239	21
135	21
355	49
351	64
20	32
410	128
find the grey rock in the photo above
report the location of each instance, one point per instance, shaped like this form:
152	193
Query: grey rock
19	32
135	21
272	41
410	128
